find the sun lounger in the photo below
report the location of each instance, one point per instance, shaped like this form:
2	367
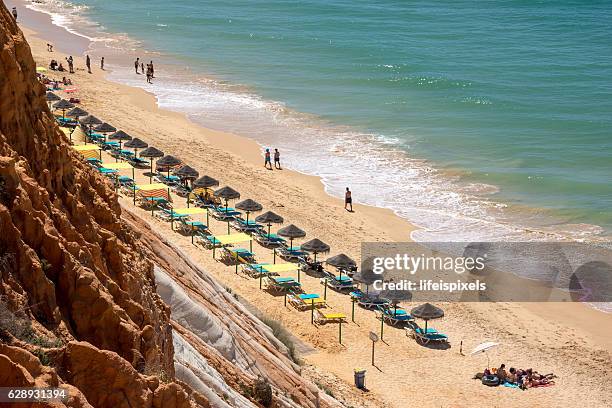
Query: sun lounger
138	162
291	254
209	241
243	256
169	215
255	270
242	225
223	214
268	241
340	284
168	180
281	284
323	317
189	227
372	302
422	337
394	316
305	301
151	203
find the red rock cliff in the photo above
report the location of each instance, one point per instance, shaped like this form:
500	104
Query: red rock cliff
77	298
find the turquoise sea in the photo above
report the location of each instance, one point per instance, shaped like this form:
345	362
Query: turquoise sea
473	119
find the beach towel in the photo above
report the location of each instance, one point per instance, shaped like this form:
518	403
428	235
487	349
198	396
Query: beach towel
510	385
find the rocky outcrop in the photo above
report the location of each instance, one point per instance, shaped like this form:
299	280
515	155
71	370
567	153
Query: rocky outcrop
80	307
78	304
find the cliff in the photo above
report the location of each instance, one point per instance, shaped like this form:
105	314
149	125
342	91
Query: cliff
93	300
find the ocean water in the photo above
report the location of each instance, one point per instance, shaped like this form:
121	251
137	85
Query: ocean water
479	120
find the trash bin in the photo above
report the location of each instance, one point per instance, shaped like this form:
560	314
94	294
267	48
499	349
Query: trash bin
360	378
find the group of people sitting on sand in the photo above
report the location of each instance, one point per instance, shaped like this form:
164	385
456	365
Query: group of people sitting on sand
517	377
55	66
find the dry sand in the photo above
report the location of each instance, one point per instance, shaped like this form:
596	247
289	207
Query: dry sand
570	340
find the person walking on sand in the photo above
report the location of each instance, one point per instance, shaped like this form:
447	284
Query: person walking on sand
348	200
137	64
267	160
277	159
102	64
70	64
15	13
88	63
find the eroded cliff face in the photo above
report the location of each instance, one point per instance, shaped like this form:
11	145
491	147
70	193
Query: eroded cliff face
77	298
95	301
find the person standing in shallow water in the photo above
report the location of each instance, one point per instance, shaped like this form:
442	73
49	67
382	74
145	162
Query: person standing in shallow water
137	64
88	63
102	64
348	200
15	13
277	159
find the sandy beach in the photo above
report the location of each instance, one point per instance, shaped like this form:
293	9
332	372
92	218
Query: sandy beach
571	340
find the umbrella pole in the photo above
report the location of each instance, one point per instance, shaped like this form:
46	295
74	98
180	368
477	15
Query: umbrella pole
269	226
172	219
236	262
134	191
192	234
260	277
299	269
312	311
274	251
325	289
151	173
425	327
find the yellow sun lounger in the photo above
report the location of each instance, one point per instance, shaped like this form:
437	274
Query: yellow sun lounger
190	211
329	317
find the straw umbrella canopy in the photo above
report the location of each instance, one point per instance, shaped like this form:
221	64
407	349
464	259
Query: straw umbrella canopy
63	105
427	312
76	113
269	218
249	206
151	153
105	128
227	193
292	232
90	121
341	261
121	136
187	173
316	246
51	97
205	182
136	144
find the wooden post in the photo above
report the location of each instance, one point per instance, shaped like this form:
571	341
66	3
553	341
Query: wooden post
373	342
324	288
312	311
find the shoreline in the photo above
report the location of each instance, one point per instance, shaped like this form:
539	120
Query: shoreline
237	159
248	149
431	219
